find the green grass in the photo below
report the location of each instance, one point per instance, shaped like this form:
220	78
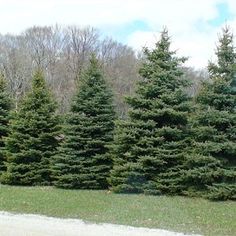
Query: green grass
172	213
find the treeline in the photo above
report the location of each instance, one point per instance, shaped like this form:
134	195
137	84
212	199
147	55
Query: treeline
62	53
170	142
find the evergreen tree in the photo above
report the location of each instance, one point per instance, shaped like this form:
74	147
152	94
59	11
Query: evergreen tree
5	106
82	161
150	147
215	123
32	140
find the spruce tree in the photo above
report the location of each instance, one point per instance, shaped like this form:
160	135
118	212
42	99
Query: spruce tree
150	146
5	106
82	161
215	123
32	140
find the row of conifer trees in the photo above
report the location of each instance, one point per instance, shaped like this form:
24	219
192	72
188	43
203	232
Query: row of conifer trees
170	143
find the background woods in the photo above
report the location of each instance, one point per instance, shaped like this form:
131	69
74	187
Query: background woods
62	54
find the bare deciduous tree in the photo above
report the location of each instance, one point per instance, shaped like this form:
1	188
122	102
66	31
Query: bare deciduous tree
63	53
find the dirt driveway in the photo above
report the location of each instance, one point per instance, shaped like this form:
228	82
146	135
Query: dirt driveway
34	225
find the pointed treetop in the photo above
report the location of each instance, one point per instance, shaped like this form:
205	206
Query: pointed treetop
38	80
161	58
93	60
164	43
162	48
93	64
93	69
2	82
226	56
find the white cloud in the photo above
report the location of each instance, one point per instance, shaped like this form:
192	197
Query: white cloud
187	20
197	46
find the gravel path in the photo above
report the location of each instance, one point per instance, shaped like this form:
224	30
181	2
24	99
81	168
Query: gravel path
35	225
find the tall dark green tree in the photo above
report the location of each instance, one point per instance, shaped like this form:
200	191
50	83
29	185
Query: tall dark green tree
5	106
215	121
32	140
150	147
82	161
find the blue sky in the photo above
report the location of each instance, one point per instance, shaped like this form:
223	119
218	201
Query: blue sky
224	15
193	25
122	32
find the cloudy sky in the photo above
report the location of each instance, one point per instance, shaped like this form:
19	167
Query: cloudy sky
193	24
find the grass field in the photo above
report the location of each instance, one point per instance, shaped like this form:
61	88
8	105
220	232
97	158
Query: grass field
190	215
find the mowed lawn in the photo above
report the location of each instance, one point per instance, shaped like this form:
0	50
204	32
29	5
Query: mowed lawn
190	215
